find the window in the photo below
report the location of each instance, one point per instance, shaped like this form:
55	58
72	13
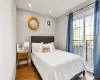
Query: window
89	25
78	29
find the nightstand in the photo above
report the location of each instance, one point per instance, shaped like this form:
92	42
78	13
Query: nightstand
22	56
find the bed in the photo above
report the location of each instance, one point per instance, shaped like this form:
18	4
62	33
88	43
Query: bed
57	64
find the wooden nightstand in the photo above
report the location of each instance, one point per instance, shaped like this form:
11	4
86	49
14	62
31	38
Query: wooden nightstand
21	56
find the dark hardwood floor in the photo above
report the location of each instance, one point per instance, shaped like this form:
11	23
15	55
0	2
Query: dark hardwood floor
28	73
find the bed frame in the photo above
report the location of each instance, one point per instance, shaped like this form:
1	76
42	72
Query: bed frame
48	39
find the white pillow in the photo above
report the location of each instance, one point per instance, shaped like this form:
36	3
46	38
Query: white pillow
52	47
36	47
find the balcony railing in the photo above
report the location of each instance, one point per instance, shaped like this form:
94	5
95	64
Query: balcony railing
89	50
78	48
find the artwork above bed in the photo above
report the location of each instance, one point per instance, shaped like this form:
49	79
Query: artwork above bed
35	24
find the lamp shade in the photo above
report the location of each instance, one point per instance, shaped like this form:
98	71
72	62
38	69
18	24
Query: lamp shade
26	44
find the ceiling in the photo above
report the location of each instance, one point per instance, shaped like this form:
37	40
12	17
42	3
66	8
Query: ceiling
58	7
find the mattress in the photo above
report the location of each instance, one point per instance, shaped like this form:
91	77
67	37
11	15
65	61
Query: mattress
57	65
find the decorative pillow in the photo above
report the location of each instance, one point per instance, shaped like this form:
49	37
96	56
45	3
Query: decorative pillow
45	49
36	47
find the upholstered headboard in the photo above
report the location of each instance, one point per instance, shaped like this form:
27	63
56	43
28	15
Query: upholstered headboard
45	39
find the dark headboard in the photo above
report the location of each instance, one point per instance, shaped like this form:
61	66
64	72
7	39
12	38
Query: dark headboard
45	39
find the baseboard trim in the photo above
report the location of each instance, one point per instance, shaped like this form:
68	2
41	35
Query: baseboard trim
14	72
89	69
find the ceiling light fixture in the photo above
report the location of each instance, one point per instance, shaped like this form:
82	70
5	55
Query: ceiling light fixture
50	11
29	5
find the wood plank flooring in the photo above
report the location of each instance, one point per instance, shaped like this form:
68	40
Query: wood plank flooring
29	73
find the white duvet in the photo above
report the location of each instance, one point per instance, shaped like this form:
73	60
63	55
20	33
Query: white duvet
57	65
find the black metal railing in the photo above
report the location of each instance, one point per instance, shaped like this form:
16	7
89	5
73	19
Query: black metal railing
89	50
78	48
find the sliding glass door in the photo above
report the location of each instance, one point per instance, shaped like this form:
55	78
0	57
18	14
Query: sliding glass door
83	38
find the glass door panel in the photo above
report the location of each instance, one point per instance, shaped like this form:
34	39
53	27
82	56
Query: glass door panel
89	24
83	38
78	37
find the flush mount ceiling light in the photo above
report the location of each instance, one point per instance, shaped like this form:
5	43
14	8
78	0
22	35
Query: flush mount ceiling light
29	5
50	11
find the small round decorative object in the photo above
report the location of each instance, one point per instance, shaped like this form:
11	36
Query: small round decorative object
48	22
33	23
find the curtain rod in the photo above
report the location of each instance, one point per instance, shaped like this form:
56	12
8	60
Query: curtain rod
82	8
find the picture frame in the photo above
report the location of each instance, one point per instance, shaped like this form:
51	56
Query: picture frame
20	47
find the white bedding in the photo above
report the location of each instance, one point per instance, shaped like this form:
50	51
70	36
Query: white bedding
57	65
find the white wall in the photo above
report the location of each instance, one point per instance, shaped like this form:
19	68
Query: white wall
7	40
24	33
62	24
